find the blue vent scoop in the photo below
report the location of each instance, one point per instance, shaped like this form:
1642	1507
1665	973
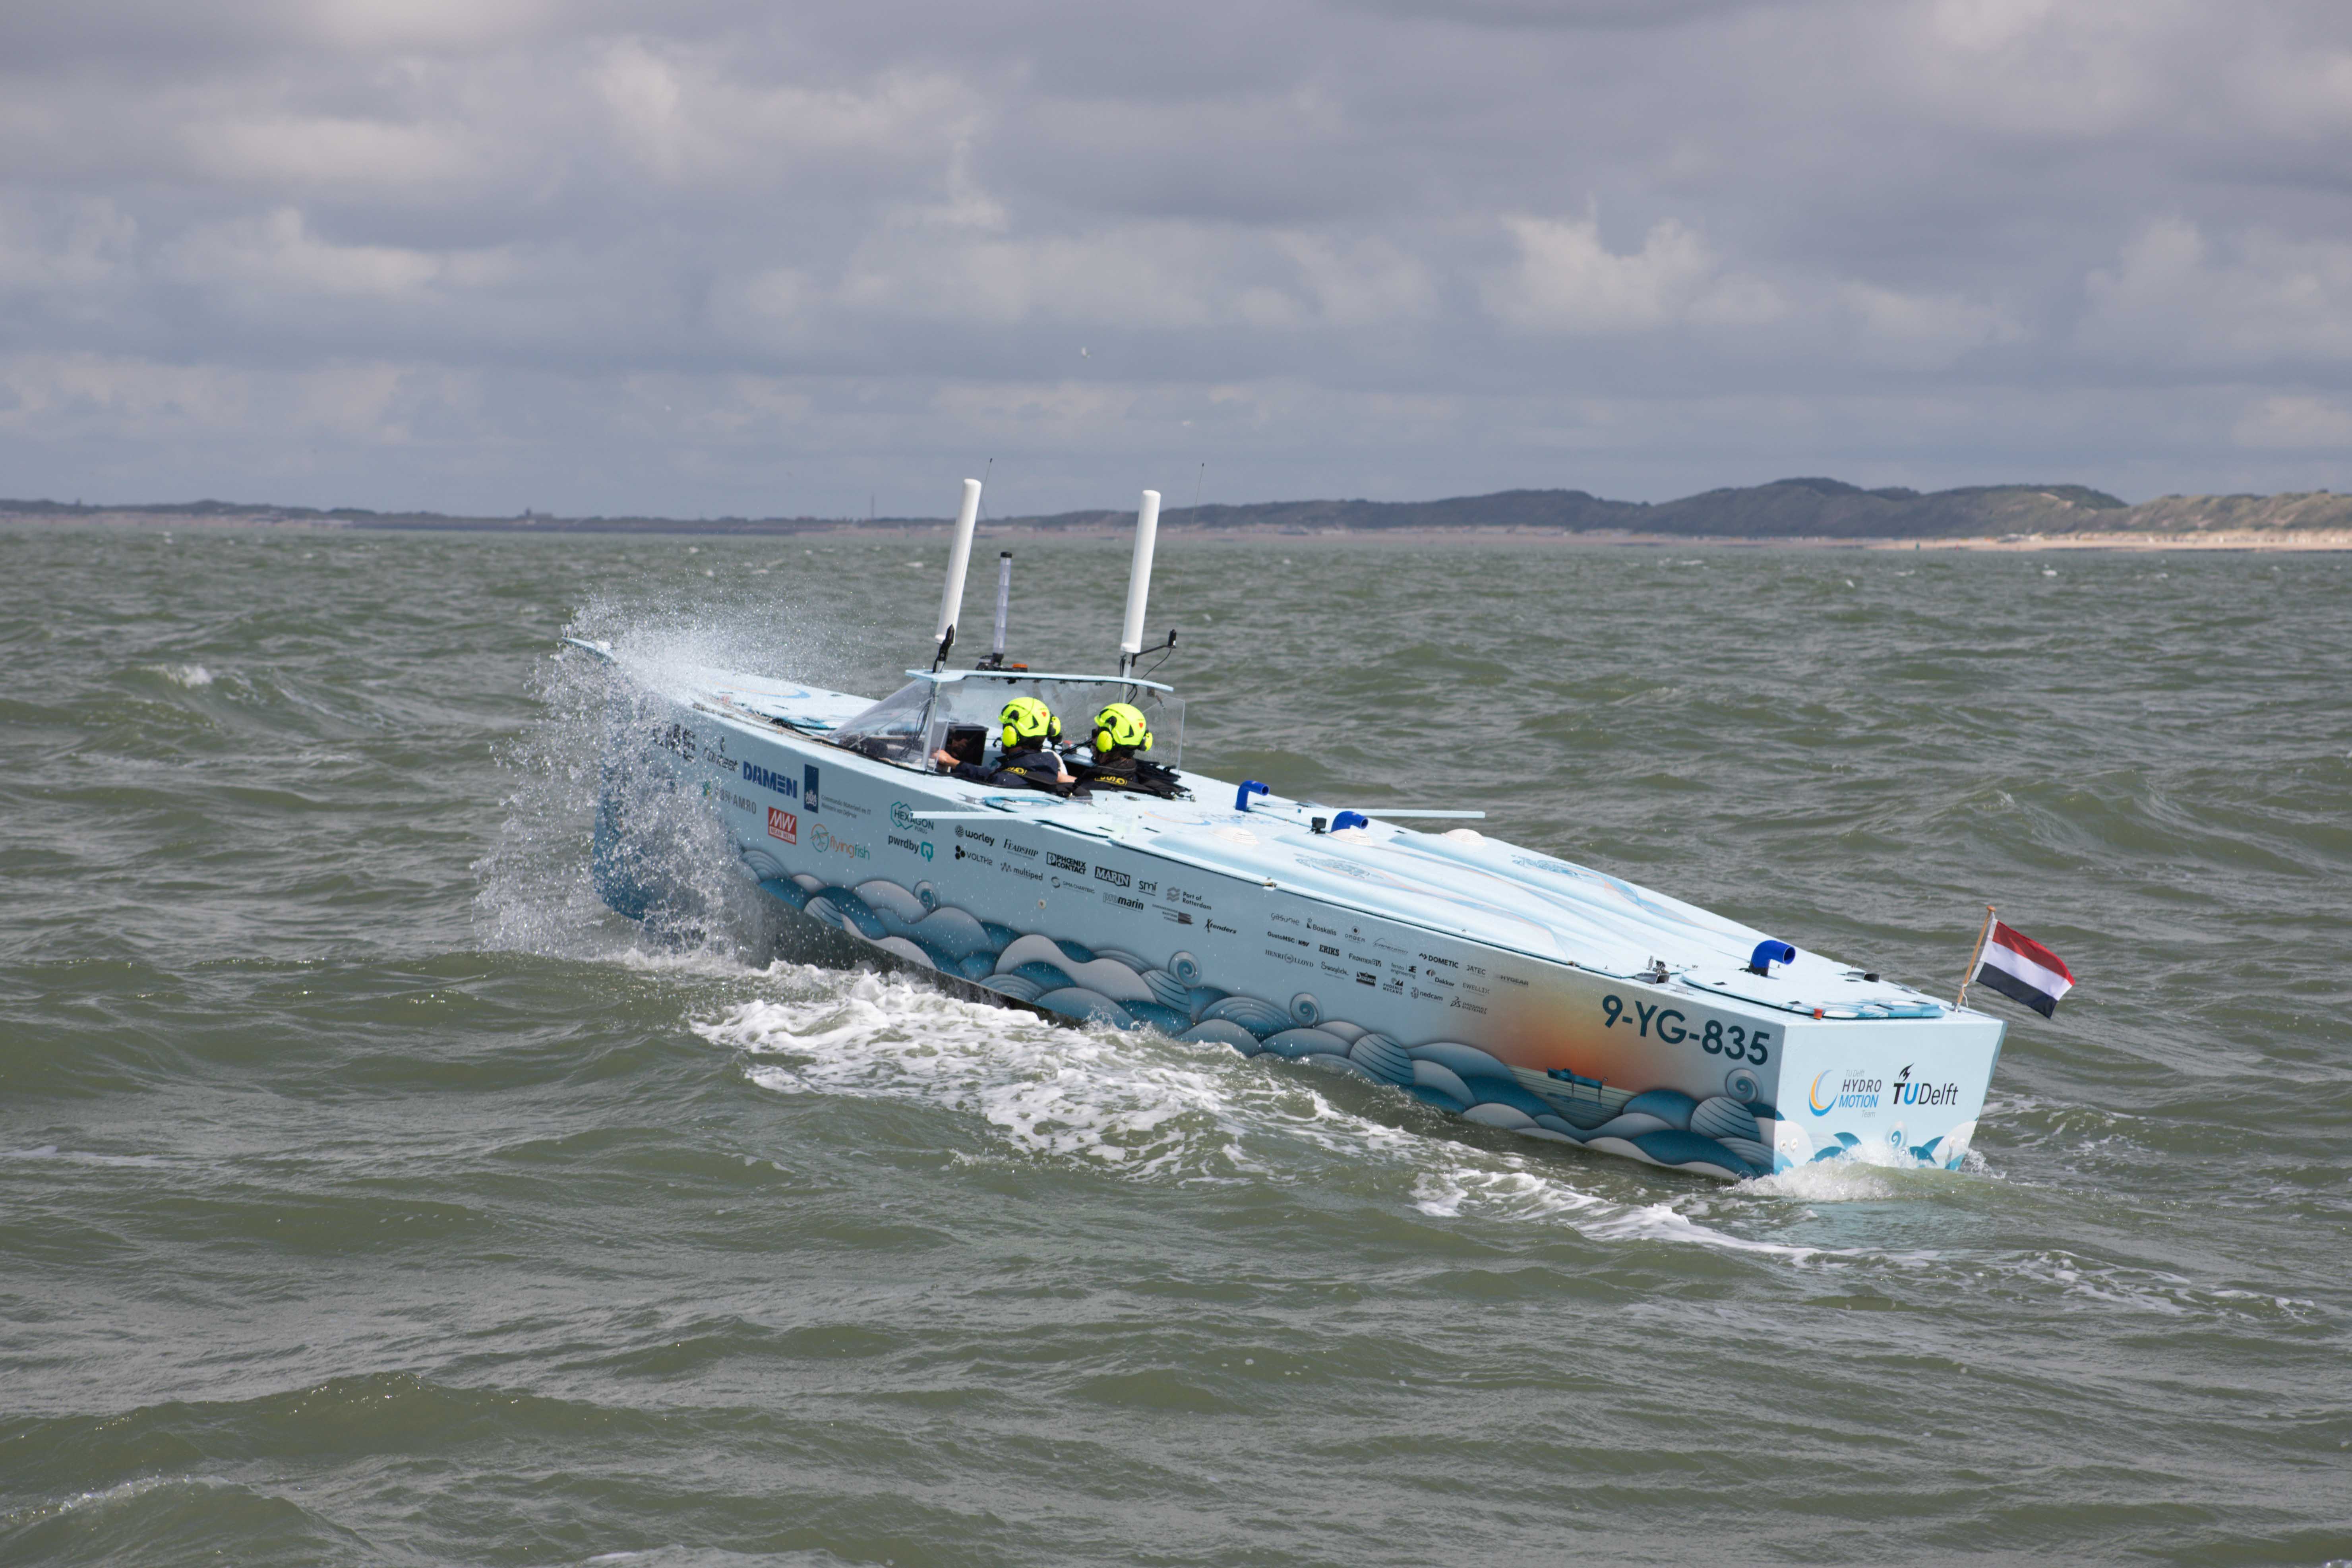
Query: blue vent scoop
1770	952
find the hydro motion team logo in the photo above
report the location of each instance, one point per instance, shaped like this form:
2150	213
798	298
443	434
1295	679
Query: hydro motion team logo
1853	1092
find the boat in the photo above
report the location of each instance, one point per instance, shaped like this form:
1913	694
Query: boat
1509	987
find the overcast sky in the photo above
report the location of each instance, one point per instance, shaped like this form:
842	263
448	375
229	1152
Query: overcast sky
709	256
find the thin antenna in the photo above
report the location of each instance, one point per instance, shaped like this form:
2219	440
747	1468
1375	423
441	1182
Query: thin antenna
986	473
1196	489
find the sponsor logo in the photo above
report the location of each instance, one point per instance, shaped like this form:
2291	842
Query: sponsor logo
1474	986
1147	889
1066	863
1478	969
754	774
1179	916
1020	849
1420	996
1116	879
724	764
1338	969
1123	901
903	816
1908	1092
1229	931
1395	987
1326	948
1468	1006
740	802
808	786
1364	979
824	843
1433	958
1327	931
1510	980
910	847
1193	901
1280	920
1288	958
1837	1089
976	836
964	853
1388	946
783	824
1358	958
1021	871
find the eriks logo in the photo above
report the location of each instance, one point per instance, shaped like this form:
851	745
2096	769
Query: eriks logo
783	824
1116	879
754	774
1066	863
1327	947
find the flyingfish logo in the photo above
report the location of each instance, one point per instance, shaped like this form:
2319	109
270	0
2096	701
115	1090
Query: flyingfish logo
1852	1093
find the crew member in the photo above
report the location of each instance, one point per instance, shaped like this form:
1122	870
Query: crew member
1120	731
1028	761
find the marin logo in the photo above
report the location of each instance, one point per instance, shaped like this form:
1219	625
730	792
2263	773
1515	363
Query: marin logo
783	824
1065	863
1123	901
1118	878
754	774
1852	1092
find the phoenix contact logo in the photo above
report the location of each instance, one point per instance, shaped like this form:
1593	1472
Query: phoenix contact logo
1066	863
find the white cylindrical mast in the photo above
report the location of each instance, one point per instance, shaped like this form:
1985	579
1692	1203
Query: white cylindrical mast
1138	573
1004	601
959	558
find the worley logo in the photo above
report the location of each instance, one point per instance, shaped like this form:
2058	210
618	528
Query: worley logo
783	824
754	774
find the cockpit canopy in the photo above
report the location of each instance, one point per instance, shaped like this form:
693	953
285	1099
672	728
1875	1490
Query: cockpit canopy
937	708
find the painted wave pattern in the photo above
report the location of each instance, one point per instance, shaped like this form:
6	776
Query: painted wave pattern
1725	1134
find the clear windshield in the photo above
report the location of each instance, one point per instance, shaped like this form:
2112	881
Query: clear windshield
893	729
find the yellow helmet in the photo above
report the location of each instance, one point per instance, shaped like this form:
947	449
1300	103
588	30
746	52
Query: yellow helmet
1121	724
1026	718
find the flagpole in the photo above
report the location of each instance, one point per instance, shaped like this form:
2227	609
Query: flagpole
1962	999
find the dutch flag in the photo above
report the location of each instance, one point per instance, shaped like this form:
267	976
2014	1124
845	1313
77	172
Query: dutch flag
2023	970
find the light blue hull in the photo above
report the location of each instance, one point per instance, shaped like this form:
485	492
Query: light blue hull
1508	987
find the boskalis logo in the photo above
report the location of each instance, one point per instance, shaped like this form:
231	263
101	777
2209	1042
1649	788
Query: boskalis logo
1908	1092
1838	1089
754	774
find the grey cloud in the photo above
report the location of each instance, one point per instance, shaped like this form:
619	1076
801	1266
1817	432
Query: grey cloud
490	253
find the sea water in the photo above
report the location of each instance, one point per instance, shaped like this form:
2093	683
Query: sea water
368	1194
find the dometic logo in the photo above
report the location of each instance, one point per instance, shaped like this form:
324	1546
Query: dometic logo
1433	958
1066	863
1909	1093
1116	879
1851	1093
783	824
754	774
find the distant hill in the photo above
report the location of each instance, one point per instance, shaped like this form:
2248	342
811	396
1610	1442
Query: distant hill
1785	509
